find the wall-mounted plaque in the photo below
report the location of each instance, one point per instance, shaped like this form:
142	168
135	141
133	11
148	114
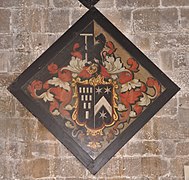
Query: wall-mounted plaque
93	89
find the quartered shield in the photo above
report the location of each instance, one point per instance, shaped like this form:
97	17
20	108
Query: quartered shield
96	107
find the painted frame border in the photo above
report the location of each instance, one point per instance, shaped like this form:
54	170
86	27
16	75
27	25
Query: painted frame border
47	119
89	3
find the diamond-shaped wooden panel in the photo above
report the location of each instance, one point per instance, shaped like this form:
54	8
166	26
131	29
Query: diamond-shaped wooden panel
93	89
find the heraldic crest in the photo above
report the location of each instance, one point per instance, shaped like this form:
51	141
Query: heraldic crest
93	89
99	93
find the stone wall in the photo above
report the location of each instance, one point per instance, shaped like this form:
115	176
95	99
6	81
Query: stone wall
158	152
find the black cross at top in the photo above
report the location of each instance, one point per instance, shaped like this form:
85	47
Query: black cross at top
88	3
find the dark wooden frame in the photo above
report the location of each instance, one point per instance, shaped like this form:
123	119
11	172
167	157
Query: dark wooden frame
47	120
89	3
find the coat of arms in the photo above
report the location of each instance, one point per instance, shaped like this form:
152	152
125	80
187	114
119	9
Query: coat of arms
93	89
97	94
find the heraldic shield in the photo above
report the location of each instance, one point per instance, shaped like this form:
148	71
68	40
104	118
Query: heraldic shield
96	105
93	89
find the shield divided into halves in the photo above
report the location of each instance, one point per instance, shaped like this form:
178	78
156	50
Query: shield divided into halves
95	106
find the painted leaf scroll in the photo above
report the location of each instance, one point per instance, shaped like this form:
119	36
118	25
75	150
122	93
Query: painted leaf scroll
99	93
93	89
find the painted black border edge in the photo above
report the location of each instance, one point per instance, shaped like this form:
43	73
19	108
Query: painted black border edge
88	4
94	165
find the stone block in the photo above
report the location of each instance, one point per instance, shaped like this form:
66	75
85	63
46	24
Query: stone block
141	178
132	166
74	178
2	147
20	129
146	132
66	3
151	147
168	148
11	3
3	130
175	2
21	42
62	151
142	41
7	105
116	178
166	128
15	150
44	134
143	147
19	23
181	59
6	41
184	133
28	20
154	20
154	166
170	108
181	79
37	3
39	41
177	166
5	57
25	151
43	149
133	148
119	18
21	111
117	164
51	39
182	148
77	14
185	18
166	60
170	41
168	177
137	3
39	168
5	15
20	61
21	169
4	169
36	53
56	20
105	4
35	19
184	100
64	168
183	114
153	56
